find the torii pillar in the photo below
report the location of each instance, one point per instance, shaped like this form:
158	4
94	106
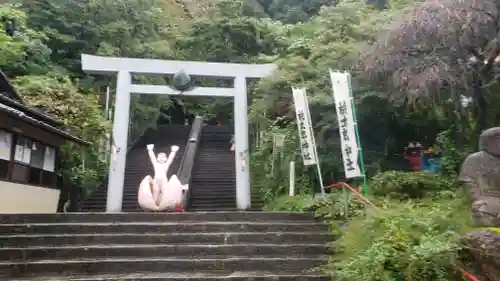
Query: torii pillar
126	67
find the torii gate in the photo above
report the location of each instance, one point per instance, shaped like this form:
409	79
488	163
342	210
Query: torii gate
126	67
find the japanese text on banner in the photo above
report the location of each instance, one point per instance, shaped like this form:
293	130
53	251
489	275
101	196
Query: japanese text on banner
348	140
307	143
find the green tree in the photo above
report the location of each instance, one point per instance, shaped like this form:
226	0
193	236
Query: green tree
58	96
136	28
453	51
25	52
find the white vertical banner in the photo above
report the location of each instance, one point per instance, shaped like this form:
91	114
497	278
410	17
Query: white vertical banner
348	139
307	143
306	133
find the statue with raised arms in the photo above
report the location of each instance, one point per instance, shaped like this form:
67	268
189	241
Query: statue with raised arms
160	193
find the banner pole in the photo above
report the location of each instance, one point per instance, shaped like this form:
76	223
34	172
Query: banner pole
318	165
318	168
358	140
315	149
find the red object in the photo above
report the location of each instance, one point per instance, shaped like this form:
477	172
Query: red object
413	156
470	276
219	124
466	274
345	185
180	209
414	163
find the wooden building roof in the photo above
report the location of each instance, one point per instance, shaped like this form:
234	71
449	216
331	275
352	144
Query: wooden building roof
12	104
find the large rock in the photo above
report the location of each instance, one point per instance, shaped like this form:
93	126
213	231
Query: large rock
480	173
483	247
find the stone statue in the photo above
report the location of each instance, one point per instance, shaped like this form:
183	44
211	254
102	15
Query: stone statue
160	193
480	173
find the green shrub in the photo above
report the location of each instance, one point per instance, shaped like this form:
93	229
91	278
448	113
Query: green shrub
298	203
332	208
337	208
407	241
396	184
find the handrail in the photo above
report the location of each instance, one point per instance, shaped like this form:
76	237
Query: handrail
187	162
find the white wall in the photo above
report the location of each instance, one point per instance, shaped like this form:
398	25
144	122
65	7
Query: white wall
21	198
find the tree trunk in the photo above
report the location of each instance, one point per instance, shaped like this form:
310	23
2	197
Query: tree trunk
457	119
479	97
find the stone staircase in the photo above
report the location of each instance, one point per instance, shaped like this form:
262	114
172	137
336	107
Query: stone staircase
208	246
214	174
213	180
138	166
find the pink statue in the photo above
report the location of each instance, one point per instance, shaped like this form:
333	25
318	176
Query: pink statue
159	193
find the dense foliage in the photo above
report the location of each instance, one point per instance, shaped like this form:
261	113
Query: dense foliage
413	233
398	184
406	241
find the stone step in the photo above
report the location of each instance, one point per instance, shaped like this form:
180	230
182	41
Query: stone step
213	197
157	276
203	201
154	250
213	184
214	179
220	204
172	265
196	189
156	217
161	227
212	209
229	238
202	192
208	171
206	199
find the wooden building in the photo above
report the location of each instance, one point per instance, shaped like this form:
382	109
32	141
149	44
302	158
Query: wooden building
29	149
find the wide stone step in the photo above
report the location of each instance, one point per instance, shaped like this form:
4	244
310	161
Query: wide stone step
229	238
157	227
199	190
203	177
171	265
213	207
214	182
215	195
215	157
157	276
157	217
213	188
218	204
212	198
228	173
155	250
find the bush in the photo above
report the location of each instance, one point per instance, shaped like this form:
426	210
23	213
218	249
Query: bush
407	241
395	184
298	203
332	208
338	208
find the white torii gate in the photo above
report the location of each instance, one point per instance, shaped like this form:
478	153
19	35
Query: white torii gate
126	67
